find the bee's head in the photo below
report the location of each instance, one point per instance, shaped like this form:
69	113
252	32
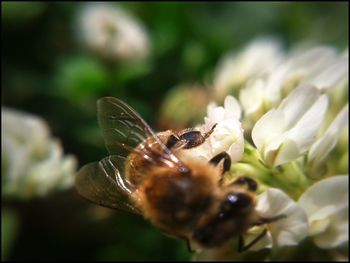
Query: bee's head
232	217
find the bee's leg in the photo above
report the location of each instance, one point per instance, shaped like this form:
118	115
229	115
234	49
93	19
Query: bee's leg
188	244
242	247
192	139
262	220
218	158
245	180
266	220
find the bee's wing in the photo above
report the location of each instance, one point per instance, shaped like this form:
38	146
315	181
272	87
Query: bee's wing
103	183
124	129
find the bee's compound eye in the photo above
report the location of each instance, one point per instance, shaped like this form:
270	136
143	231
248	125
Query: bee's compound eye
234	202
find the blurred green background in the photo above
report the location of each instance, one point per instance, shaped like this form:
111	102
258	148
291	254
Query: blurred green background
47	71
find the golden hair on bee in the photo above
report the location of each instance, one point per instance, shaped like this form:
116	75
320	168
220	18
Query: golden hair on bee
175	201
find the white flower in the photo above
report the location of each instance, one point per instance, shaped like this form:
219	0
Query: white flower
326	204
227	135
321	67
258	58
288	231
285	133
300	68
111	32
336	72
252	97
320	149
33	162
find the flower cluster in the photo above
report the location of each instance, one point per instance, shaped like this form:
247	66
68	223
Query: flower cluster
294	115
32	162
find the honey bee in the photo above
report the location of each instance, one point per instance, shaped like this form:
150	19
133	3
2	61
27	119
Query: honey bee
149	174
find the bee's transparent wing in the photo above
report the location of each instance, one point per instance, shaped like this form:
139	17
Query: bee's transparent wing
103	183
124	129
121	126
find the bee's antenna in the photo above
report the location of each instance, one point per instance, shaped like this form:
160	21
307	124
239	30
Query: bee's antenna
210	131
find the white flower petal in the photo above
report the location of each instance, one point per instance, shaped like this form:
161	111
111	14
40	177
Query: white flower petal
284	134
274	84
267	128
286	231
227	135
259	57
288	151
236	149
252	96
265	242
16	159
330	76
111	32
296	70
310	62
232	108
215	114
320	149
302	135
330	192
316	58
337	232
298	103
35	163
328	199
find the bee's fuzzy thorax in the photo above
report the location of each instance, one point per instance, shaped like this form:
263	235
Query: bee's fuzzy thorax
176	200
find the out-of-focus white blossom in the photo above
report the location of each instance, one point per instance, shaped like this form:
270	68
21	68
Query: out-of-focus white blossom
227	135
301	68
284	134
252	97
111	32
33	162
331	75
258	58
321	67
326	204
